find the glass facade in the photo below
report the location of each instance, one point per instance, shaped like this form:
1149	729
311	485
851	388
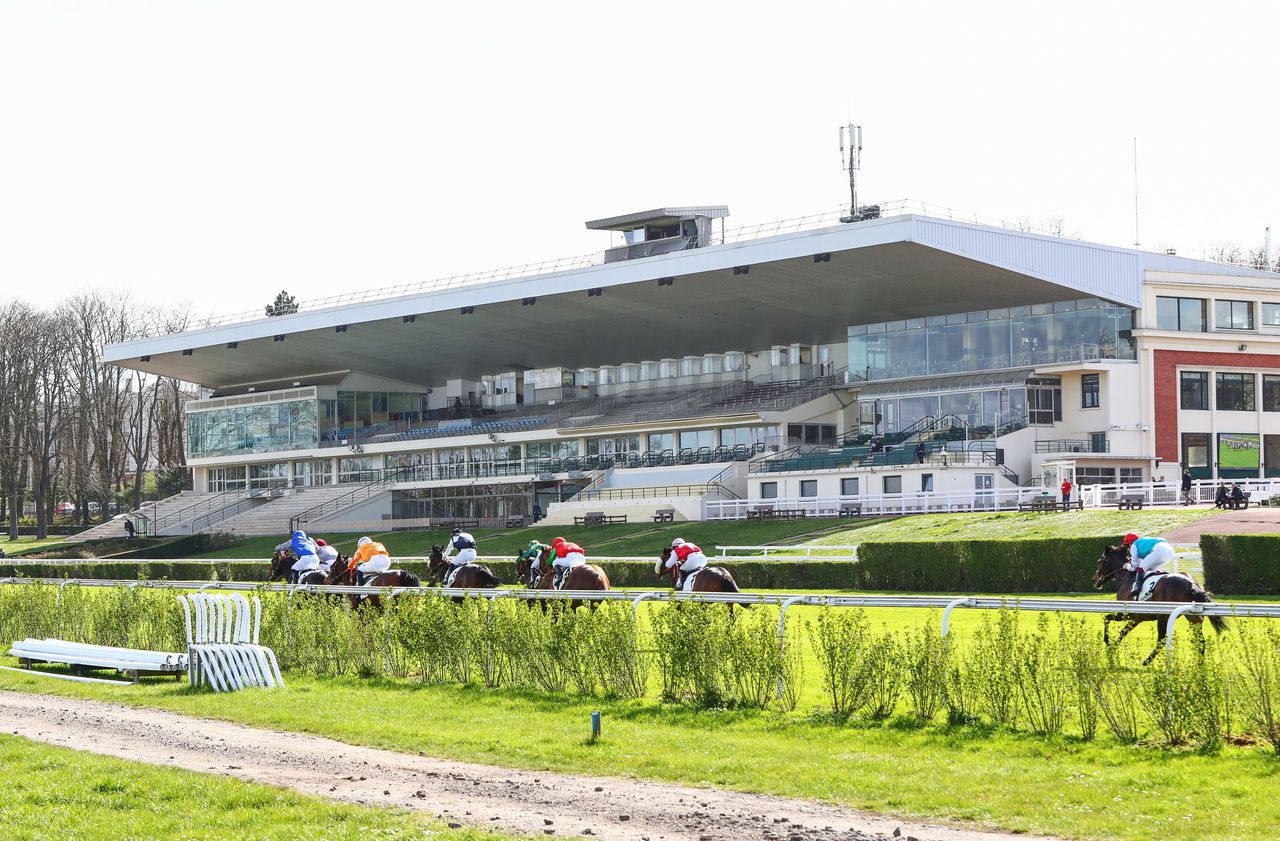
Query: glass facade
978	408
272	427
991	340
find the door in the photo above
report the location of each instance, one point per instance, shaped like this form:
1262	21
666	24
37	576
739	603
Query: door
984	490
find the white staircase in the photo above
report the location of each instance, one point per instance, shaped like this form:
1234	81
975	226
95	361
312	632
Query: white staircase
273	517
152	511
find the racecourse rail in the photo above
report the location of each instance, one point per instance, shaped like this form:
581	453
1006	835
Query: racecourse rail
784	601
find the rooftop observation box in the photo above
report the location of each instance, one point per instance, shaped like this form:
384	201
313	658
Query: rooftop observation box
661	231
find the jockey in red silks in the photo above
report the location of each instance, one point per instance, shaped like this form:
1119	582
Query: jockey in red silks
690	559
565	556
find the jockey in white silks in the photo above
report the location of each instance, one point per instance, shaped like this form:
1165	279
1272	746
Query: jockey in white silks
326	555
465	545
690	559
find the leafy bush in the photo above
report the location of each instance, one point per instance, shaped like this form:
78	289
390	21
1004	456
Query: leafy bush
924	657
995	684
980	566
1241	563
1258	648
1041	668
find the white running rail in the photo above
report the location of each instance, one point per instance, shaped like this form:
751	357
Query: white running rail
807	552
128	661
222	643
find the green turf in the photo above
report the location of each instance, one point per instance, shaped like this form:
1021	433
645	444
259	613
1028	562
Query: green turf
1012	525
29	544
58	793
637	539
993	778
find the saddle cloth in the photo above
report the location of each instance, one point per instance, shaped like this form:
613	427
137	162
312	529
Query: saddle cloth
1152	579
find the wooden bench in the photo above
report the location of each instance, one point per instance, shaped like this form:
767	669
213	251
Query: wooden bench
776	513
460	524
847	511
1048	503
1238	504
664	515
516	522
599	518
1130	502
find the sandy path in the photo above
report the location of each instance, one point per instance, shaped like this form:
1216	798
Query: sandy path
534	802
1249	521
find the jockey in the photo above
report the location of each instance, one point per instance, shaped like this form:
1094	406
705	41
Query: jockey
1146	555
533	554
690	559
370	558
326	555
304	549
465	544
565	556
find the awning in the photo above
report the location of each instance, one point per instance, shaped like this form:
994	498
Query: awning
935	385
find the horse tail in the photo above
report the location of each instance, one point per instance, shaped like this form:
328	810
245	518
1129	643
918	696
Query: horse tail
1203	596
487	578
730	586
408	579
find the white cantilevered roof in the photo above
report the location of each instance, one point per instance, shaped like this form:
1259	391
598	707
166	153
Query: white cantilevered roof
805	287
660	214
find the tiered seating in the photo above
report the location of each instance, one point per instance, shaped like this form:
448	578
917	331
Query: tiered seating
484	428
775	395
651	458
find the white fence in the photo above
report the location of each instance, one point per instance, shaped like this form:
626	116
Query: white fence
807	552
1002	499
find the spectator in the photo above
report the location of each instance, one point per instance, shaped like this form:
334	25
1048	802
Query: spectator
1237	495
2	554
919	452
1221	497
1187	498
537	512
1066	490
129	531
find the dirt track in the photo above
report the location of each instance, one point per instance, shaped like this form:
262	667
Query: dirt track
523	801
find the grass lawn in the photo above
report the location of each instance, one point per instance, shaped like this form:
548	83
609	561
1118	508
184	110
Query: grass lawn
61	793
1015	781
1013	525
28	544
637	539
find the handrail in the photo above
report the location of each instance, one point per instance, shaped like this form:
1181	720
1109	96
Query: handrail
357	494
202	504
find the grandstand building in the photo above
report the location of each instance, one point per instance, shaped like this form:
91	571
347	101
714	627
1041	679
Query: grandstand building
905	360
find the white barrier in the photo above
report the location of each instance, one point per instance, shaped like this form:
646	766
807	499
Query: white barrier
130	662
222	643
803	552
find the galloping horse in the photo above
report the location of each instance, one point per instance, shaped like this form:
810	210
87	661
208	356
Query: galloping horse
472	576
706	580
1170	588
584	577
282	567
343	573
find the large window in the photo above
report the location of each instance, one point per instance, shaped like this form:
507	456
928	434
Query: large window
553	449
1090	391
1233	315
659	441
1193	386
359	469
1095	476
808	487
768	490
1195	451
1271	455
812	433
1271	393
849	487
1044	401
1187	314
694	439
729	436
1271	315
1236	392
610	446
892	484
268	428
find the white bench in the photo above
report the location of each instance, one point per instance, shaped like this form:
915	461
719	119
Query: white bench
131	662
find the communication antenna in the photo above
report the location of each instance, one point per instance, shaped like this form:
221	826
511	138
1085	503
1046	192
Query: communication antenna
851	164
1136	243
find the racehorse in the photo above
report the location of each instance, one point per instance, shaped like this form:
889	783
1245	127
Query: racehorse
282	567
706	580
583	577
343	573
1170	588
470	577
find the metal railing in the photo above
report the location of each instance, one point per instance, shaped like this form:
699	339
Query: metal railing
1073	445
784	601
200	505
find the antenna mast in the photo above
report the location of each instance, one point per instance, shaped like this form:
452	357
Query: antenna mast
851	164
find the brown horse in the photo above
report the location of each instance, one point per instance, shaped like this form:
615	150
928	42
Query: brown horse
344	572
584	577
1170	588
470	576
706	580
282	567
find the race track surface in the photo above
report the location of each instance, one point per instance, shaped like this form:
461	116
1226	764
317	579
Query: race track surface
535	802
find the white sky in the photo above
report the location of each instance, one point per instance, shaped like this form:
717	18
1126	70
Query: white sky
217	152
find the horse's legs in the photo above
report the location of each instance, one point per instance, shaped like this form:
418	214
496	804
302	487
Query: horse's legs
1160	635
1133	623
1106	629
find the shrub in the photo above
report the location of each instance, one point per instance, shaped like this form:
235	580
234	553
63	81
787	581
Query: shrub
995	684
1118	688
1241	563
843	645
1258	647
1084	657
980	566
924	659
1041	670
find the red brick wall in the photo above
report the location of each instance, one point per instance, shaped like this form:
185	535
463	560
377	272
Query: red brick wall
1166	389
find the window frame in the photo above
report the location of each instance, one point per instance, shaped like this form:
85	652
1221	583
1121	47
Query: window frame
1179	326
1249	391
768	490
844	486
884	484
1232	306
807	485
1203	377
1090	386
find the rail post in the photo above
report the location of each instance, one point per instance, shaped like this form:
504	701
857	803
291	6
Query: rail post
946	613
782	633
1190	607
58	603
635	603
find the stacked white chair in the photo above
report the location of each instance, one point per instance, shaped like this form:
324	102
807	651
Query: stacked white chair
222	643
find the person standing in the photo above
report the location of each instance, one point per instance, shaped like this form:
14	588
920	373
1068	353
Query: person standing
1066	491
129	529
1187	499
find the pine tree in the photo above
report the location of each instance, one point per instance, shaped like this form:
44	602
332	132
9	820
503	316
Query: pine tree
284	304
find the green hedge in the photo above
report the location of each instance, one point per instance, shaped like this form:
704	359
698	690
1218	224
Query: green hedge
1241	564
971	566
1050	565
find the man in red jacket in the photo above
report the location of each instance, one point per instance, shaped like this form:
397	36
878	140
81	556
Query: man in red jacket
1066	490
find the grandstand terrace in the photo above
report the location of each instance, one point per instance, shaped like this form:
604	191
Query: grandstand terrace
902	354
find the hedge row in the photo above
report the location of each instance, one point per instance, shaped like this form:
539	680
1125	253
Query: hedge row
972	566
1242	564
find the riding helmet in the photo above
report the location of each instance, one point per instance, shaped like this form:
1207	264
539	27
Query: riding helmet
1130	538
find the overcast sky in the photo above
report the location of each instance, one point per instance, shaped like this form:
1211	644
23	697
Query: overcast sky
218	152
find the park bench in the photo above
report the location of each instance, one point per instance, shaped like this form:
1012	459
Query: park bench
450	525
516	522
1130	502
847	511
769	513
1047	503
599	518
664	515
1238	504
